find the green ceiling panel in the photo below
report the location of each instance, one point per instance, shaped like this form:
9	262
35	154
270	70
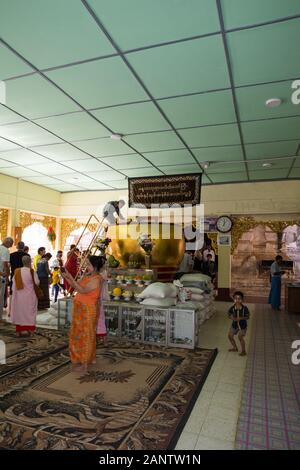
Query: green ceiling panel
180	169
61	152
104	176
295	173
138	23
229	177
267	174
19	172
225	168
6	145
279	164
104	147
23	157
75	126
7	116
265	54
154	141
126	161
275	129
11	65
120	184
142	172
170	157
64	187
251	101
188	67
238	13
41	180
27	134
34	97
297	163
6	164
213	135
90	164
100	83
52	169
271	149
52	33
200	110
139	117
212	154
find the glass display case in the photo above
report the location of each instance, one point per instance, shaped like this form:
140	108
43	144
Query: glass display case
155	325
64	317
112	319
182	328
131	322
126	284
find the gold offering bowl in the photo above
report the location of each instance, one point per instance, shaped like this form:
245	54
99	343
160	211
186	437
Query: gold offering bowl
168	248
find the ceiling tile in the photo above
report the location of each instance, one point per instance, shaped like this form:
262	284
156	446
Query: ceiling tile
145	23
272	149
295	173
11	64
200	110
275	129
104	147
142	172
265	54
74	126
61	152
6	145
297	163
73	177
63	187
180	169
119	184
52	169
89	164
126	161
226	134
154	141
6	164
251	101
268	174
217	167
170	157
35	97
229	177
7	116
105	176
41	180
52	33
212	154
23	157
138	117
187	67
19	172
280	163
95	186
100	83
27	134
239	13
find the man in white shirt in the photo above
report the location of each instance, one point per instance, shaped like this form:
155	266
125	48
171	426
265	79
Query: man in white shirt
4	269
209	251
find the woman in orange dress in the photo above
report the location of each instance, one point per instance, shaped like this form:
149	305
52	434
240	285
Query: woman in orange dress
85	313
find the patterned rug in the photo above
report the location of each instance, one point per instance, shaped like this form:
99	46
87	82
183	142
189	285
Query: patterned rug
21	352
270	409
135	397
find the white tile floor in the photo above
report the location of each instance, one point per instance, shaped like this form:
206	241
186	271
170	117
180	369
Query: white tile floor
213	421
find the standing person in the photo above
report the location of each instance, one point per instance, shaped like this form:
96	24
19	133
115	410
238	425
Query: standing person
38	257
101	326
71	265
26	250
209	267
24	300
16	258
4	270
56	284
44	276
58	262
85	313
239	314
198	261
209	251
275	278
110	209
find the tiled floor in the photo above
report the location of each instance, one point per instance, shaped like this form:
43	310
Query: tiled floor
213	421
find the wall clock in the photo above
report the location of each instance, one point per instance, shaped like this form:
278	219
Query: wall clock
224	224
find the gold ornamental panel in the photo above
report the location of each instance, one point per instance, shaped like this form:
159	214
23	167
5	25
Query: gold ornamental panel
27	219
69	225
3	223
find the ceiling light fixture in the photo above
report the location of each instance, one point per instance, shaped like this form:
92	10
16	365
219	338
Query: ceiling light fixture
116	136
205	165
273	102
267	165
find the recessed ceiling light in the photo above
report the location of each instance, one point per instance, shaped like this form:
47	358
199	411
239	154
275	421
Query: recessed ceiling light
116	136
273	102
267	165
205	165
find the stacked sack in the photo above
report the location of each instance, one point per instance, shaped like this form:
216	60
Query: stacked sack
202	294
159	294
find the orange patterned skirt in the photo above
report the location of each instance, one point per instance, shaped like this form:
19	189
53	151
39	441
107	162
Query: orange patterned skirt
83	332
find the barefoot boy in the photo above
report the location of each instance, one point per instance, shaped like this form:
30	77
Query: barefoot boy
239	314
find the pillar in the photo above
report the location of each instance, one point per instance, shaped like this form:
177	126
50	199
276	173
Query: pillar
224	272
